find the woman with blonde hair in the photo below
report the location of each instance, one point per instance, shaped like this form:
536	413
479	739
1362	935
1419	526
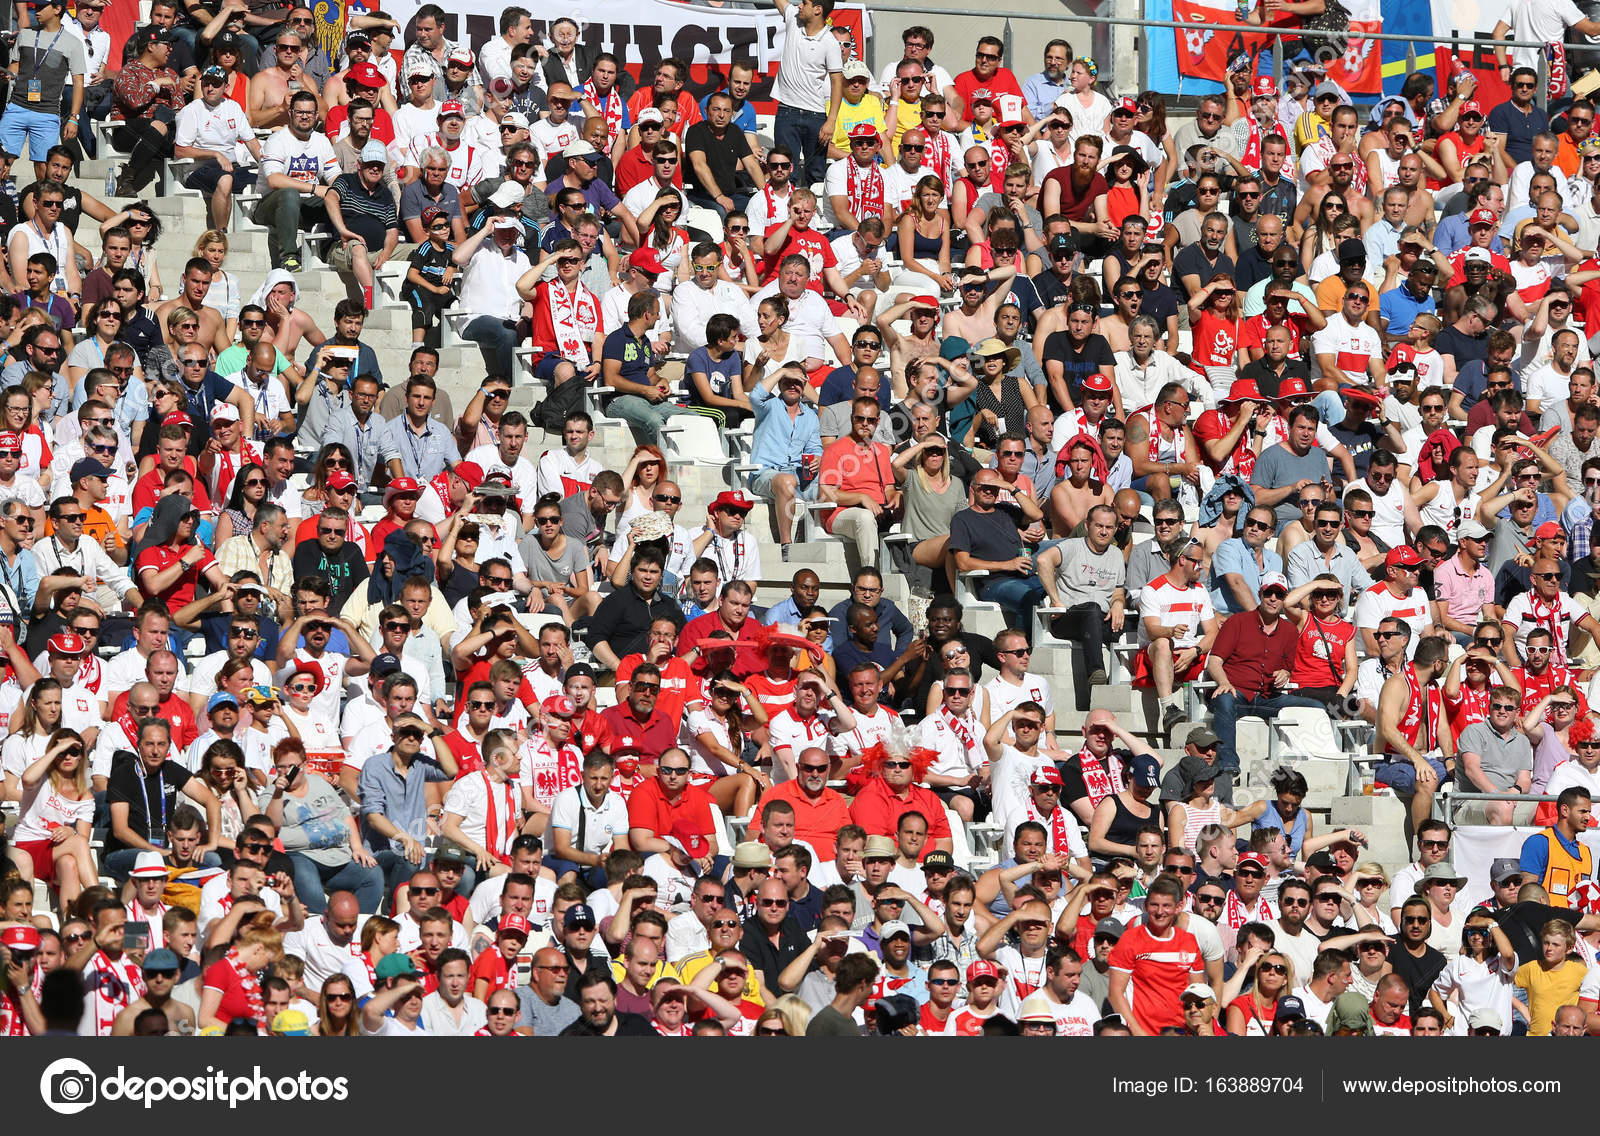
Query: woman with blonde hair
232	984
1271	974
224	296
792	1011
183	328
1370	884
56	812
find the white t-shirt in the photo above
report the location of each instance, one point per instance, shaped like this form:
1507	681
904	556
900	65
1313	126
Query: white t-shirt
43	809
224	128
1006	696
1171	606
1388	510
1526	611
1539	21
202	679
469	799
1351	347
559	472
308	162
870	730
524	477
485	904
789	731
1076	1018
767	210
323	958
602	824
1008	782
1378	603
807	61
955	758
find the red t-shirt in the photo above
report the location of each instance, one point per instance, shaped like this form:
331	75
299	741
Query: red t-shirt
688	109
878	810
746	660
774	696
1161	969
468	753
1319	653
491	965
235	1002
160	556
808	243
1253	330
623	734
479	672
1073	206
1215	341
147	490
1002	82
174	709
649	808
382	124
676	680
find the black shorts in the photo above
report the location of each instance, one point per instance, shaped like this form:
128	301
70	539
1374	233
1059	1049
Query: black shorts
205	176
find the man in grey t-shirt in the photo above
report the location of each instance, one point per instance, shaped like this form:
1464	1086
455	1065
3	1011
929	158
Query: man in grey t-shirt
1085	576
46	56
543	1005
1495	756
1285	469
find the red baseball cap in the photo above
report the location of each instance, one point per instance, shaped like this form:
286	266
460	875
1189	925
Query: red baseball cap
1127	104
647	260
1547	531
1403	353
20	937
1045	775
732	499
1482	216
982	968
981	95
339	479
10	440
1292	388
931	303
514	925
177	418
365	75
452	108
1097	382
693	843
559	705
470	472
1265	87
1403	557
67	643
1254	858
1471	106
402	485
863	130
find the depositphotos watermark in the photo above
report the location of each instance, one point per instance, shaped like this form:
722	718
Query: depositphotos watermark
68	1086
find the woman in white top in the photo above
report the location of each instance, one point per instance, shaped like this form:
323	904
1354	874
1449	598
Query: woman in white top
56	813
1481	977
1089	106
775	346
224	295
647	468
31	728
1371	882
714	737
315	729
1199	806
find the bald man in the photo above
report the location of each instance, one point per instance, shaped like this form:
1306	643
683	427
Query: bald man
544	1008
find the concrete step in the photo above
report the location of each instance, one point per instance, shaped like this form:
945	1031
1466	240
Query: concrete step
1382	820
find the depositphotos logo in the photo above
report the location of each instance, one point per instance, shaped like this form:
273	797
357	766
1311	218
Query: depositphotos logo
68	1086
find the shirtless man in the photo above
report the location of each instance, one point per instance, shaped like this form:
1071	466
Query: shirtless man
271	88
1341	180
924	337
196	283
1126	296
974	319
1077	493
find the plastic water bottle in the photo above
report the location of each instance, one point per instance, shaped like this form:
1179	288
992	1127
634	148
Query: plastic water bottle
111	179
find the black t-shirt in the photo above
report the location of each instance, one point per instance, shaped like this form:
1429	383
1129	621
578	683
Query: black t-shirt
1419	973
343	571
1267	379
1072	783
71	205
986	536
1050	288
1252	267
150	802
1191	261
1077	362
1523	923
1361	441
628	1025
722	155
1463	347
1160	304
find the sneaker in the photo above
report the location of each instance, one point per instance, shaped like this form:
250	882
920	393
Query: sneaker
783	551
1098	678
291	263
1172	718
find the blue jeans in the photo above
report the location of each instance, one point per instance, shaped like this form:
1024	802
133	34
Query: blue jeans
797	129
591	878
1229	708
1017	597
1330	406
396	868
313	882
644	418
39	129
498	342
118	864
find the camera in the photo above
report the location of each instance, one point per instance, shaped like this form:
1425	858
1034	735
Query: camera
72	1087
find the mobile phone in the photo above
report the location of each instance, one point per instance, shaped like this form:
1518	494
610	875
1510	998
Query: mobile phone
136	935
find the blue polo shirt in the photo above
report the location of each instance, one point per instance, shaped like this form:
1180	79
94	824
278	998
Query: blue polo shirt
1400	307
1234	556
634	354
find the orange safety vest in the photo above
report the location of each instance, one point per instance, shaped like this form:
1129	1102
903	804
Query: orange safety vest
1563	871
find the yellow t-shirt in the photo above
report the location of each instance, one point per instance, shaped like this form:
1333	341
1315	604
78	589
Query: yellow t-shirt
693	964
1548	991
869	109
908	117
1308	128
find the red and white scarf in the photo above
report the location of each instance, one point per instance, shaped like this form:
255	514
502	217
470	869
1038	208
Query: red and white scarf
250	984
611	108
863	191
1252	148
575	316
1422	713
1235	914
1056	823
1155	434
1243	459
1551	617
113	987
958	727
1096	779
498	834
228	465
11	1022
441	485
939	158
